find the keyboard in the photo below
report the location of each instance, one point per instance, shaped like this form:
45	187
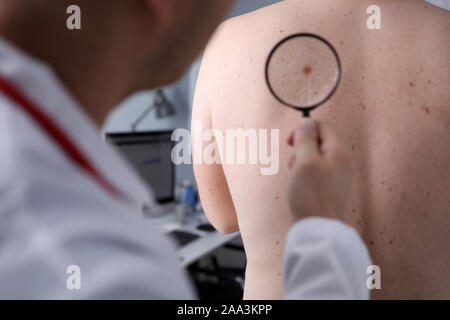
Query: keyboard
183	238
206	227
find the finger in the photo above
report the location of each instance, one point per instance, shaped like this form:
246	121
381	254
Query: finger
330	145
306	140
291	163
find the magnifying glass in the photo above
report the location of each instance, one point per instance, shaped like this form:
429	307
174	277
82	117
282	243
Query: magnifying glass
303	71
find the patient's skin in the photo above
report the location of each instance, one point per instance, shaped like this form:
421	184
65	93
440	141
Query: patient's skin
392	109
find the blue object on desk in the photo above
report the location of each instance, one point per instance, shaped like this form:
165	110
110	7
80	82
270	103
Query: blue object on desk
188	195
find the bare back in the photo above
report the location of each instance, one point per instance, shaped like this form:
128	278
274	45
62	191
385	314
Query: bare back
392	109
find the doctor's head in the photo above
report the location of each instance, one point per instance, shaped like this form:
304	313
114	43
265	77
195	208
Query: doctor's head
170	34
148	42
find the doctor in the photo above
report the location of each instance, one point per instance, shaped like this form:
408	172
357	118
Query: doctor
70	226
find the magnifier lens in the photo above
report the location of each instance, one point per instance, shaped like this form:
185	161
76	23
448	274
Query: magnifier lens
303	71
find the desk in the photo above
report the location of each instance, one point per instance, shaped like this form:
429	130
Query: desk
208	241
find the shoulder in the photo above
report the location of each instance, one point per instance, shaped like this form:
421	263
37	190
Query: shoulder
253	35
239	30
236	43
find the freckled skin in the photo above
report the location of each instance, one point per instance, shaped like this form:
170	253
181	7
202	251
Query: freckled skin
396	141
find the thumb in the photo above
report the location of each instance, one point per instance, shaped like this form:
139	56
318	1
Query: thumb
306	140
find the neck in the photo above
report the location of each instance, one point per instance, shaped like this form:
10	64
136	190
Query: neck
96	73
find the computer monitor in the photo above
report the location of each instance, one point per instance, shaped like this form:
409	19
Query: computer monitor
150	153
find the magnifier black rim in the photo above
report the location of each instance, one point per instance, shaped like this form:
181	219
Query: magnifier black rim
297	35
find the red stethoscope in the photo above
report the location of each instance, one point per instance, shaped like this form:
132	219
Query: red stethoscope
58	136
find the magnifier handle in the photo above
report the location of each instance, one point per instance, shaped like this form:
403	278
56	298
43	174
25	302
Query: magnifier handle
306	113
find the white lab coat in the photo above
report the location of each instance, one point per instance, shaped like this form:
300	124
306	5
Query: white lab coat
325	259
54	215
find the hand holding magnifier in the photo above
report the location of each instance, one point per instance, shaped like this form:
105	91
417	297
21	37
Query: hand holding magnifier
303	71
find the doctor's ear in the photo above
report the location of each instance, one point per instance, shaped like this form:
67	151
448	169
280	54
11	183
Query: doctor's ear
160	10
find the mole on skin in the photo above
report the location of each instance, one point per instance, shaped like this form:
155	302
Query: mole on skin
307	70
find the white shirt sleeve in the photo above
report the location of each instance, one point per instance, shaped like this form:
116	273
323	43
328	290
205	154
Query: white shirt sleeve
325	259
